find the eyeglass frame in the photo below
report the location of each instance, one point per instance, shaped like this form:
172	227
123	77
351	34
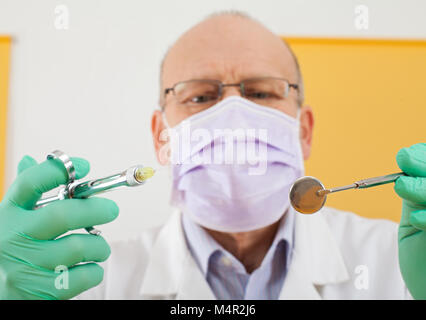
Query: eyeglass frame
222	85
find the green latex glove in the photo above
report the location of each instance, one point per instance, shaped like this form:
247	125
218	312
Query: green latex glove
30	250
412	228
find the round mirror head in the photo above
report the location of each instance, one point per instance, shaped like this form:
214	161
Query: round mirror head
304	195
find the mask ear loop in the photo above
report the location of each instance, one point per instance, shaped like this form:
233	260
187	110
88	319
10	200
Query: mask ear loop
298	115
299	112
168	128
163	116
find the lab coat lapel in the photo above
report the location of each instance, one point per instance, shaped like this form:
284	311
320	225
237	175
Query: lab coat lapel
171	271
193	286
316	259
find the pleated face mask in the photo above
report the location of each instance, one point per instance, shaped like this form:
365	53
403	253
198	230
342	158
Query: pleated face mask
232	165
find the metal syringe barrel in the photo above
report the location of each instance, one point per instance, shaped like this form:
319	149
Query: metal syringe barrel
86	189
134	176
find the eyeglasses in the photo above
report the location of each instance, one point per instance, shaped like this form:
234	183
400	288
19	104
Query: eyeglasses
200	94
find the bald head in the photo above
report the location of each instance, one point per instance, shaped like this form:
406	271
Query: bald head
229	47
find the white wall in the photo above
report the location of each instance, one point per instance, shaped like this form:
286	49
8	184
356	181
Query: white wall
90	90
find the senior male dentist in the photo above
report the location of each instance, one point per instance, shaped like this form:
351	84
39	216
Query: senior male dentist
234	235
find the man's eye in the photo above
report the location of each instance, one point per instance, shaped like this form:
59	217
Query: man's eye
202	99
259	95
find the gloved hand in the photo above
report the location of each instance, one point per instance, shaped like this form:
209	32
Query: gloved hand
30	251
412	228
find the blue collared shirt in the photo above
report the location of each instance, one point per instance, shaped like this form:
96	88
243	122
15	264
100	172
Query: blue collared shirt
227	276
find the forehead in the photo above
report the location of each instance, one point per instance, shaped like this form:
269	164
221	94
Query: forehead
228	49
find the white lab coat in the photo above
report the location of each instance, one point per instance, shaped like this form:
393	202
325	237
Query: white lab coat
337	255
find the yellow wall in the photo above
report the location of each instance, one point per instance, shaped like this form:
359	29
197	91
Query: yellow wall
369	100
4	71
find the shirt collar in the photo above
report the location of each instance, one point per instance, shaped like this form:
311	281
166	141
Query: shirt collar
202	246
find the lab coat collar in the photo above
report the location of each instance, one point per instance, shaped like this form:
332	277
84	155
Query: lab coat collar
316	261
172	273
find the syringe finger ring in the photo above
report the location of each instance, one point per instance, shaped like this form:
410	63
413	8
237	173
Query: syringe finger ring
66	161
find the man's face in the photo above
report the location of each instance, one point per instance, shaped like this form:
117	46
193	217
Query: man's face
229	49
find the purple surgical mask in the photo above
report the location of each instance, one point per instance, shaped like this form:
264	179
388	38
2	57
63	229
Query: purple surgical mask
233	165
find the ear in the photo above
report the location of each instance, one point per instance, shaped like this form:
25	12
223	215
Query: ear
160	137
306	130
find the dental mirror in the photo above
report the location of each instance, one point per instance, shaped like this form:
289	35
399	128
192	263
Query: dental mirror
308	195
304	195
